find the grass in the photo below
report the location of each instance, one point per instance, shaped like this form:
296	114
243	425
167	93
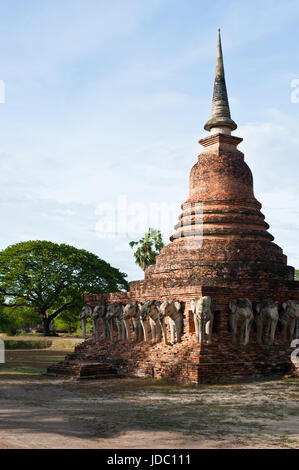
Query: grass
64	345
29	362
31	342
21	371
291	379
28	344
31	355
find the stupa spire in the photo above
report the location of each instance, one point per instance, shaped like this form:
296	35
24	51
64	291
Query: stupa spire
220	118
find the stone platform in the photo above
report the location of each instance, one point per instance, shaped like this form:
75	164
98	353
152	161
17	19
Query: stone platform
183	362
83	367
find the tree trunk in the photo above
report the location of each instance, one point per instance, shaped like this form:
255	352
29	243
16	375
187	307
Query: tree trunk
46	325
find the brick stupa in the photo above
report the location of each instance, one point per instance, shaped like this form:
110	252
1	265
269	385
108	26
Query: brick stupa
221	218
222	248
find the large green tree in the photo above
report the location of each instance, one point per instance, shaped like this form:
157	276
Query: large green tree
51	278
17	318
5	322
149	246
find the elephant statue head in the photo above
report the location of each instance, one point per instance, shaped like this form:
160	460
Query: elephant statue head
288	317
131	311
266	318
98	315
115	314
85	313
119	319
203	314
109	321
242	318
151	310
172	309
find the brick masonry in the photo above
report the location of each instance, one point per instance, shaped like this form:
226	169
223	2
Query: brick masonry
221	247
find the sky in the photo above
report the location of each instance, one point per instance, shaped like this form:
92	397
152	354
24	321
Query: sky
104	104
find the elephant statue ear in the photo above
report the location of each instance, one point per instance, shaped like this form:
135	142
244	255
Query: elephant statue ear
232	306
177	305
192	305
285	305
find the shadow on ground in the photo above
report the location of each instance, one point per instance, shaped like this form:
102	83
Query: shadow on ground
261	414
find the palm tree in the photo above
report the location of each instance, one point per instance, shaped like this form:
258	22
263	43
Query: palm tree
149	246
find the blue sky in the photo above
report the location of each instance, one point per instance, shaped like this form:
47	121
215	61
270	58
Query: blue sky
106	99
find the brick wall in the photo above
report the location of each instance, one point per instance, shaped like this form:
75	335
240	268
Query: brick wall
187	361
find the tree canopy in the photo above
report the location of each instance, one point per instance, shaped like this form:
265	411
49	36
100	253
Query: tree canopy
50	278
149	246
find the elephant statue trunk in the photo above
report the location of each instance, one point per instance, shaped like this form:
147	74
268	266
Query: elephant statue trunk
85	313
171	309
266	318
203	312
151	310
242	318
288	318
98	314
132	311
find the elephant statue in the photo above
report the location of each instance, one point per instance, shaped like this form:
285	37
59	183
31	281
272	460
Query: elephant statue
151	310
203	311
118	315
288	317
85	313
98	315
266	318
171	308
115	311
109	321
242	318
132	311
143	322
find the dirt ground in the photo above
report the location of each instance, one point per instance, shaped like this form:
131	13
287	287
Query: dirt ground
39	412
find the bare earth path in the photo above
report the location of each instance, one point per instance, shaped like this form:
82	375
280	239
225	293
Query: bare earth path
41	412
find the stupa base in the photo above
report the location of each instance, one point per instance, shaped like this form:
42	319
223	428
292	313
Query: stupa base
185	362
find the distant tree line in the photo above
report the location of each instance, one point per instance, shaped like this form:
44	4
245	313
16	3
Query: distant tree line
41	281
